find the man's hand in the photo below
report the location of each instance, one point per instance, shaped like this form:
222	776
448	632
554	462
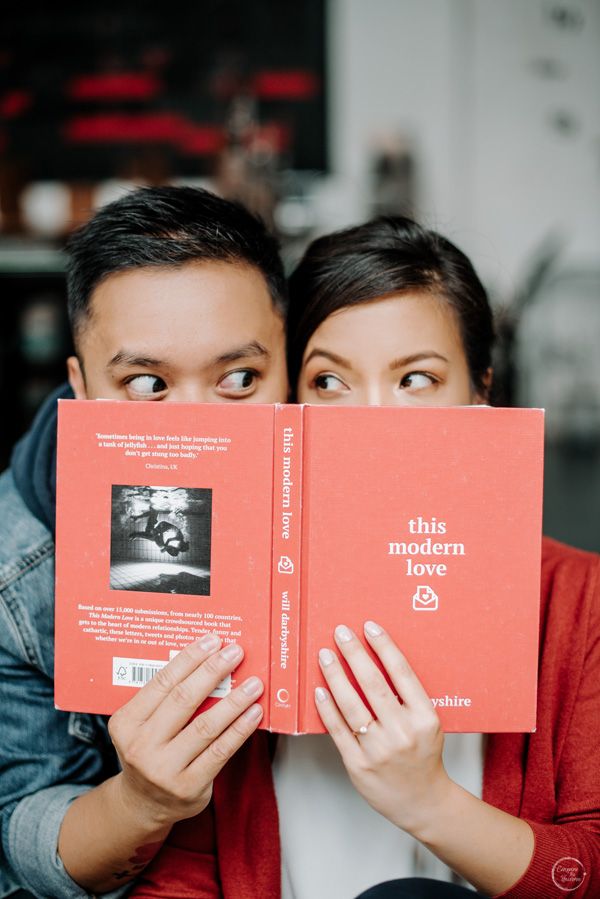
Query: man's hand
169	761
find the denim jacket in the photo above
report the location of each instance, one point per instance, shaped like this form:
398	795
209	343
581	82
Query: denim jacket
47	757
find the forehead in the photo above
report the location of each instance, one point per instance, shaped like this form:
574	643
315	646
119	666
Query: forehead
401	322
171	307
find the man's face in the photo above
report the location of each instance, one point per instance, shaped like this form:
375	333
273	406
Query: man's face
203	333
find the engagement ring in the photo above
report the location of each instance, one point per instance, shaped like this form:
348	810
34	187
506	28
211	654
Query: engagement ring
363	729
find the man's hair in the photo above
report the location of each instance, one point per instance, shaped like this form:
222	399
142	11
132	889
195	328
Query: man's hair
167	227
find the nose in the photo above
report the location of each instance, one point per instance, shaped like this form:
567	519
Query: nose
373	394
190	392
378	393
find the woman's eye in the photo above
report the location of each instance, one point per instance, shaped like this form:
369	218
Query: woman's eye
417	380
328	383
146	386
237	382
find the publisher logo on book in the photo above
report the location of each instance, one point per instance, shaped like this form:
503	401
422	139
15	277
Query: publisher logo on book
425	600
568	873
285	565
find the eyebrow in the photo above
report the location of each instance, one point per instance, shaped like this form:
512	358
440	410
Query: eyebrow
246	351
400	362
338	360
125	358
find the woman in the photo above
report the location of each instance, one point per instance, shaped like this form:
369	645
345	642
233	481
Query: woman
388	313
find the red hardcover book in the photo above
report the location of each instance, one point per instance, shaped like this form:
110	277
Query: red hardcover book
270	525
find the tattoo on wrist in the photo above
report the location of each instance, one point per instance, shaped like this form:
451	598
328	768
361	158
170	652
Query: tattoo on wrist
138	861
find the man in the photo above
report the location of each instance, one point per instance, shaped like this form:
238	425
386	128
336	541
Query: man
174	295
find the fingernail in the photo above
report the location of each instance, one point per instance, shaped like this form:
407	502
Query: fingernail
320	694
326	657
231	652
252	686
372	629
343	634
208	642
253	713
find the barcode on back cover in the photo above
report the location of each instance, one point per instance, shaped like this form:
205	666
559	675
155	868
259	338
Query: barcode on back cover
135	672
221	690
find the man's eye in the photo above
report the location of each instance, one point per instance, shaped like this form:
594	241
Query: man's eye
328	383
417	380
145	386
240	381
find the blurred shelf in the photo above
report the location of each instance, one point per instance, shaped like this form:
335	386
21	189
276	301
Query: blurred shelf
28	257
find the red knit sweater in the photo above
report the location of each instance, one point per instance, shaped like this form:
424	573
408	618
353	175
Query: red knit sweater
550	778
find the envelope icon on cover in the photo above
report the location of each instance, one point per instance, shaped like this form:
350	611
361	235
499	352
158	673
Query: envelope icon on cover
425	600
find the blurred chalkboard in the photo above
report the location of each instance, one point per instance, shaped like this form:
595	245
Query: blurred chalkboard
97	90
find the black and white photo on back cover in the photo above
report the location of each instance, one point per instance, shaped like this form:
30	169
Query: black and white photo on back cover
160	539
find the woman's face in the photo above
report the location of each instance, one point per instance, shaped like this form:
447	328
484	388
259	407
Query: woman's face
400	350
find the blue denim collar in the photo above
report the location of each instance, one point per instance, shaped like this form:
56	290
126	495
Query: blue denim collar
33	461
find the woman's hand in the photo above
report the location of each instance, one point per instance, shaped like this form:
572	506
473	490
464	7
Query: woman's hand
393	753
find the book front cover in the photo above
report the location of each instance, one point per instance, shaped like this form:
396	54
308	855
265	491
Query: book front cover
428	520
164	516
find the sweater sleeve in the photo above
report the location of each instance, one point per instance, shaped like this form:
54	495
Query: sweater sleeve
566	858
186	865
231	850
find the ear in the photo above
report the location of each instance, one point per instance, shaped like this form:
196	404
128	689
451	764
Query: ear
76	379
482	397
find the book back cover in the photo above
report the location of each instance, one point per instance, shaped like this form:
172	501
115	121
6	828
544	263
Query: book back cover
163	534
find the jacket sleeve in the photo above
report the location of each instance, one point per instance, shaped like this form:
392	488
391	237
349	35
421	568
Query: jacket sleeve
47	759
566	858
30	844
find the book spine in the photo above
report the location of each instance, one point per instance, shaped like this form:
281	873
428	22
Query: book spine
285	580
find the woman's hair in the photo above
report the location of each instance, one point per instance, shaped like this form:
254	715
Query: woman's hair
391	255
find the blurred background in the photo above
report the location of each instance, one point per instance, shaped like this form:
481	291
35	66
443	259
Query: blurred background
479	118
